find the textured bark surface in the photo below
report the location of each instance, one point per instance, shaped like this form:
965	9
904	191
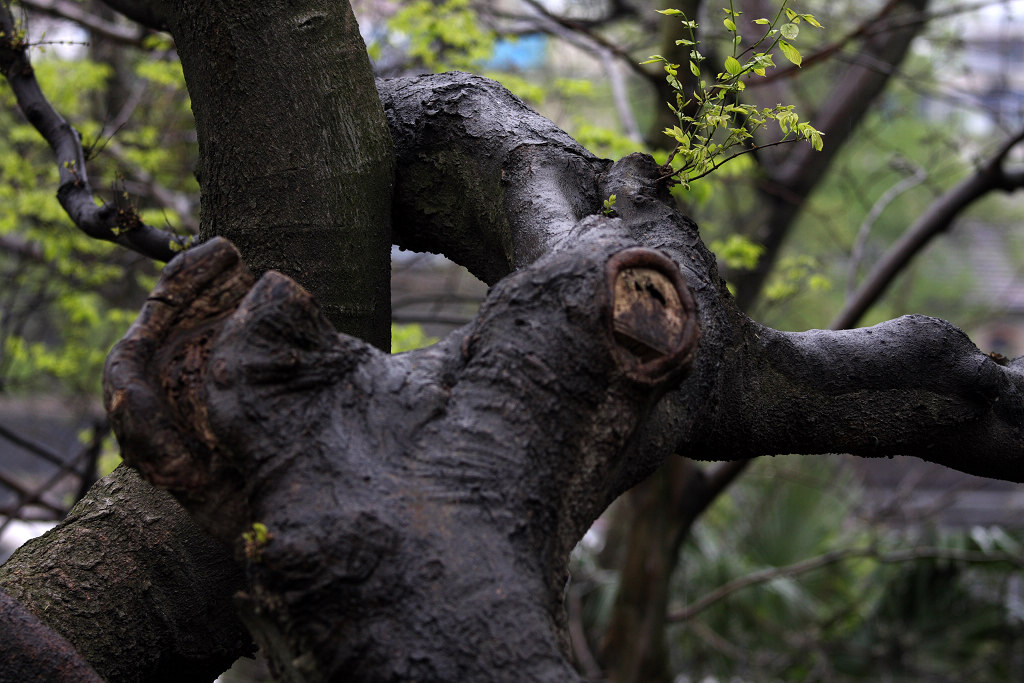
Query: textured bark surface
295	162
134	585
393	488
32	652
420	526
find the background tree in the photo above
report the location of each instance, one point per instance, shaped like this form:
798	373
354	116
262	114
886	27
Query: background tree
491	269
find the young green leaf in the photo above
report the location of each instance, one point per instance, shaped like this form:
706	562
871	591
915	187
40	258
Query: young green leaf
790	52
809	18
733	66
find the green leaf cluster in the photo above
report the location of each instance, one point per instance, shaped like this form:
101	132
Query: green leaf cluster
409	337
440	35
795	274
714	125
738	252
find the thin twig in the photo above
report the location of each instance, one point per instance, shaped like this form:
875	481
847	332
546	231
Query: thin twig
939	216
834	557
32	446
719	164
578	637
579	35
918	176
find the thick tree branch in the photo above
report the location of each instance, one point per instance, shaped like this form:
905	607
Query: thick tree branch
922	388
910	386
462	474
109	222
480	177
33	653
414	459
134	585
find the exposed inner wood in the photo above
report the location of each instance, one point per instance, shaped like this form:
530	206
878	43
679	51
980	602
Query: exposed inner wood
648	317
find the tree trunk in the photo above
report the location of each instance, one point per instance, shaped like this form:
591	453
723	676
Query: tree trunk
295	157
419	528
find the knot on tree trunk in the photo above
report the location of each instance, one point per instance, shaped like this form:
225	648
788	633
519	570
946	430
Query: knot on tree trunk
652	315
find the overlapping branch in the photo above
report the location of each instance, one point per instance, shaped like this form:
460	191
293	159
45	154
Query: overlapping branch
989	176
73	11
110	222
835	557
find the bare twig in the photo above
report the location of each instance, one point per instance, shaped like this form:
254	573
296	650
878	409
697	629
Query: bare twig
581	36
22	491
34	447
181	203
940	215
620	97
578	638
918	175
834	557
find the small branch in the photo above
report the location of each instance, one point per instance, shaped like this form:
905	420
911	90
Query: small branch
24	492
22	248
745	150
428	319
73	11
834	557
824	53
578	638
938	218
108	222
620	97
33	447
577	34
181	203
35	497
919	175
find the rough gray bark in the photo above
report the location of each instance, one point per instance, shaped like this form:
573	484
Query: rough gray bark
32	652
471	468
286	108
134	585
419	530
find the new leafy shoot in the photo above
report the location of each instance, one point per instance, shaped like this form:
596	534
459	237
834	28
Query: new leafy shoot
714	125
